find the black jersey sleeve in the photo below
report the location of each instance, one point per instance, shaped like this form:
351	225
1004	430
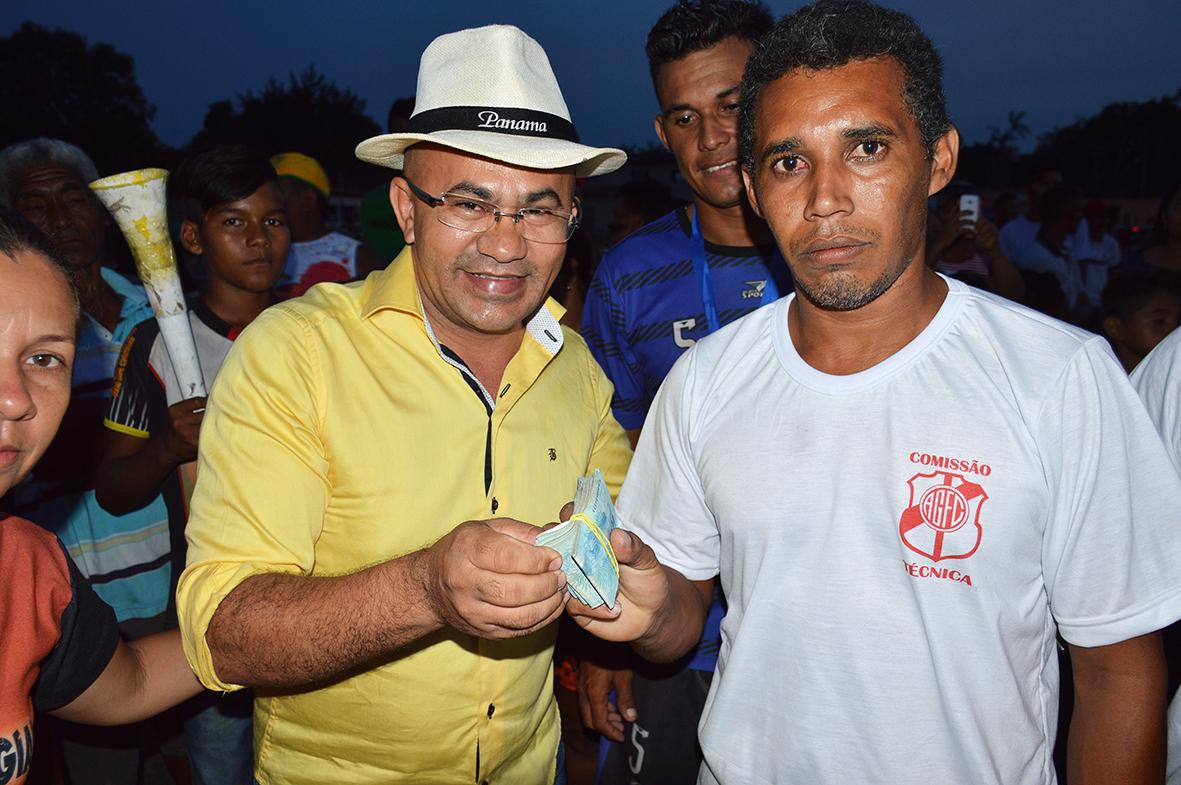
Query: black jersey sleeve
136	392
89	635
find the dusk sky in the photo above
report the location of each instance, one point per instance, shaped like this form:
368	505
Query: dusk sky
1057	60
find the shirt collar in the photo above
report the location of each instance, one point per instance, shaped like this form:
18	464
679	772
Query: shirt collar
133	296
135	307
395	288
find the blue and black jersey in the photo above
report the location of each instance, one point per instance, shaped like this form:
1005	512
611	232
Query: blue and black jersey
645	307
645	304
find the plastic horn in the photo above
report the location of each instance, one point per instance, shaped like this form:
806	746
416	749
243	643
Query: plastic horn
137	202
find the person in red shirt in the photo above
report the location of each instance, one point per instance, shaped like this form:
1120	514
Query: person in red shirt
62	653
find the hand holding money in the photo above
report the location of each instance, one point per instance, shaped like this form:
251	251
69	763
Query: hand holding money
486	578
588	560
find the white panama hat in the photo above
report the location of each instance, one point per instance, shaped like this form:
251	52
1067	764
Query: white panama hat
490	91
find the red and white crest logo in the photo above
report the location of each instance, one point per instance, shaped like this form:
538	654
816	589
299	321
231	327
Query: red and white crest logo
943	518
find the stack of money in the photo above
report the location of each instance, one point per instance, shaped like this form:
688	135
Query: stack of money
592	572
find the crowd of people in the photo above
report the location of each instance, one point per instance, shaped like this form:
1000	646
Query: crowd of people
874	465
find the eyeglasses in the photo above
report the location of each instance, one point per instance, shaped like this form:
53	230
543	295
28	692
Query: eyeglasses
468	214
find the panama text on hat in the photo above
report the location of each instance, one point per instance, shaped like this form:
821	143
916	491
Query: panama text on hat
490	91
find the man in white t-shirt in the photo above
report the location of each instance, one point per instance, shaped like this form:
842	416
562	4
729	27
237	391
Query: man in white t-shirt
1095	250
1158	381
907	487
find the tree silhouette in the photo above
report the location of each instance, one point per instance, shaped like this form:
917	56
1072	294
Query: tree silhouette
307	113
59	86
1008	139
1128	149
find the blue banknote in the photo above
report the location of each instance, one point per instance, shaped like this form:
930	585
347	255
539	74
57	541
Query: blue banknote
592	572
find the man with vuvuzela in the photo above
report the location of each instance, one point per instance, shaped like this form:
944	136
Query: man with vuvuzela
375	456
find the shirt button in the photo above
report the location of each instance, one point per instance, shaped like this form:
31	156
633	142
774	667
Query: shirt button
495	505
491	710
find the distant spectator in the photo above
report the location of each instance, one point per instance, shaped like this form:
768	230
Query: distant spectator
1044	293
1005	208
1165	250
1020	232
1140	307
969	250
379	229
1096	251
1061	211
317	254
639	202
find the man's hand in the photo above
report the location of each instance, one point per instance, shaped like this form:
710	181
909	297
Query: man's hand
595	683
643	590
487	578
986	235
179	441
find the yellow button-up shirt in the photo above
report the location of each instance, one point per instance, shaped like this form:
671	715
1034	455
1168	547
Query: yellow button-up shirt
338	435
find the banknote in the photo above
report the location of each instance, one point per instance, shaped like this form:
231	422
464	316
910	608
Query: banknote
592	573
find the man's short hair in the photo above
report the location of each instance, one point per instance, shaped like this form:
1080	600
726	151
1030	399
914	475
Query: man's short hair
218	176
18	158
832	33
693	25
18	234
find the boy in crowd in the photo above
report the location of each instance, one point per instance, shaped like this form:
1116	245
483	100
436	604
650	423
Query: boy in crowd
1140	307
317	253
233	219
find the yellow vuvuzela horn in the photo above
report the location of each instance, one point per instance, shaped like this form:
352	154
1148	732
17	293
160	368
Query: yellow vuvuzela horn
137	202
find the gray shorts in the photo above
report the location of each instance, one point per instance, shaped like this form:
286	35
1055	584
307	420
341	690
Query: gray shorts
661	747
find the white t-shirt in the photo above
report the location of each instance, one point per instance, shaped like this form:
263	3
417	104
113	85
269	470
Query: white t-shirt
1158	381
1016	236
1095	258
896	545
332	257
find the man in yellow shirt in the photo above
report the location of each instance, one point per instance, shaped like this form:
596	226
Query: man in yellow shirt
375	456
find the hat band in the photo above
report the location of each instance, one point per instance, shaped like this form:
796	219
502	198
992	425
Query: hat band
500	120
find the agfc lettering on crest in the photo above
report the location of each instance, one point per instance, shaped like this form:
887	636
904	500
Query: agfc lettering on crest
942	520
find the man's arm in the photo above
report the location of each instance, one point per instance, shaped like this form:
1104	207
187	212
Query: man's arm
143	678
485	578
133	468
1117	731
595	683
